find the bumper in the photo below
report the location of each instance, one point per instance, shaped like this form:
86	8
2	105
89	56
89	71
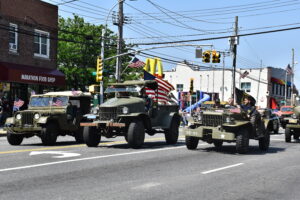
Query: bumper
103	123
296	126
22	130
214	132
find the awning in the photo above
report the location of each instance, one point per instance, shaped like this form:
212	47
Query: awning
10	72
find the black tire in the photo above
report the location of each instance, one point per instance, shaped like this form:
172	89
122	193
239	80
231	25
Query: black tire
136	134
218	144
171	135
191	142
296	135
276	131
288	135
264	142
14	139
49	134
91	137
79	135
242	141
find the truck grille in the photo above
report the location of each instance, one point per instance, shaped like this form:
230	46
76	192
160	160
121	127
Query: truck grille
107	114
212	120
27	118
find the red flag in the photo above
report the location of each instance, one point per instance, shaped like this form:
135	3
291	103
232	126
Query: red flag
136	63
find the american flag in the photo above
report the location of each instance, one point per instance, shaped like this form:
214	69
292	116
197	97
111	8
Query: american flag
58	102
289	70
136	63
164	88
18	103
243	75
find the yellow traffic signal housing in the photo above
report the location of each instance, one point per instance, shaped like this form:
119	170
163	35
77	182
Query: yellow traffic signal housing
206	56
99	71
216	57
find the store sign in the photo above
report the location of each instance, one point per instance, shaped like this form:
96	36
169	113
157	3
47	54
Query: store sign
36	78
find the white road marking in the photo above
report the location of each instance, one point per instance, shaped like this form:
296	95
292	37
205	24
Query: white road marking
62	154
222	168
88	158
146	186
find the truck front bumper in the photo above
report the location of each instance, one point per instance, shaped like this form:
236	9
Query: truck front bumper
215	133
103	123
22	130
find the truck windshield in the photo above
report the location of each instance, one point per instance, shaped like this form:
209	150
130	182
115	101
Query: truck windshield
123	91
58	101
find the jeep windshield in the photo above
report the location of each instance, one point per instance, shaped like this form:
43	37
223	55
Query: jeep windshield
43	101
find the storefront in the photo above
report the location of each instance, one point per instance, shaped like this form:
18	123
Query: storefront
20	81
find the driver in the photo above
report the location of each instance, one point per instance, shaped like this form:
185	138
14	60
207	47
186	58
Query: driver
148	100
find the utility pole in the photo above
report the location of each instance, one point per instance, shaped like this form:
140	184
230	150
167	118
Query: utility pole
223	70
258	84
292	77
234	43
120	40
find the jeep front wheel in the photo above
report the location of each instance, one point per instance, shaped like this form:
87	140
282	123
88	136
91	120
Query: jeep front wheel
136	134
191	142
171	135
242	141
49	134
14	139
90	136
288	135
264	142
218	144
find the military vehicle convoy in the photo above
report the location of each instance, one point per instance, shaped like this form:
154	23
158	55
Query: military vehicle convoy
225	125
126	113
293	125
48	116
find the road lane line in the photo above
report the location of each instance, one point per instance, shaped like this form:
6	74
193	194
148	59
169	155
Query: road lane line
78	145
88	158
222	168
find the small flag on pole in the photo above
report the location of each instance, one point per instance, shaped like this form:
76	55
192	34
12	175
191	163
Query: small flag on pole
18	103
289	70
243	75
136	63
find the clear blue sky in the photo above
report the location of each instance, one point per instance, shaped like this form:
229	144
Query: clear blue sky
177	18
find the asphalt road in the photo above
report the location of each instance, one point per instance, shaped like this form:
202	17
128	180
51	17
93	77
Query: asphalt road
157	171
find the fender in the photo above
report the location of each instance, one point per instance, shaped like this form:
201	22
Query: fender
10	121
167	120
141	116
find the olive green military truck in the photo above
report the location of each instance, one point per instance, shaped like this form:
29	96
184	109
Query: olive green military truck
126	113
48	116
225	125
293	125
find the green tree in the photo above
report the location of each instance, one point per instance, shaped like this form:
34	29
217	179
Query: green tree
78	48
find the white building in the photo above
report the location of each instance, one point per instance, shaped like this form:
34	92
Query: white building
266	85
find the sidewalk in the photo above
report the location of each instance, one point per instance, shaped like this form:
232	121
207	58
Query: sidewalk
2	132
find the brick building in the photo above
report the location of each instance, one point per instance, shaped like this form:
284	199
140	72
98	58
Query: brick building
28	48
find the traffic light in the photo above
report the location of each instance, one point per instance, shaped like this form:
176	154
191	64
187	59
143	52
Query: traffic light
206	57
216	57
99	71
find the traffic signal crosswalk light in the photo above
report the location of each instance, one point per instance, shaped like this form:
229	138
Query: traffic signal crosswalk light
99	71
216	57
206	57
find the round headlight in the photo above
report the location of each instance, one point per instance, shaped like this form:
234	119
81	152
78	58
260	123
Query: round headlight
294	116
199	117
125	110
18	116
36	116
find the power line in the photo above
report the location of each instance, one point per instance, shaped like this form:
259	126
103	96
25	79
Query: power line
221	37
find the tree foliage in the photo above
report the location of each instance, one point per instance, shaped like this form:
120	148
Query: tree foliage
77	56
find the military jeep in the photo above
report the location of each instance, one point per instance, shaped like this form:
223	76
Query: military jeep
218	125
48	116
293	125
125	113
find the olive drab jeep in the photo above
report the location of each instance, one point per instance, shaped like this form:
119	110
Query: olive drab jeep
48	116
126	113
225	125
293	125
